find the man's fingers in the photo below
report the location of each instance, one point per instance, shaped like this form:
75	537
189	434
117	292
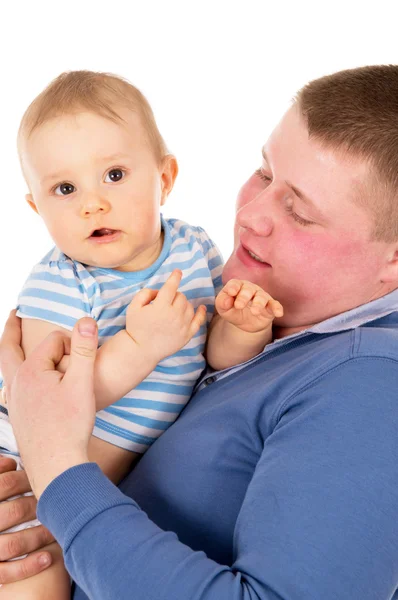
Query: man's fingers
24	541
11	355
83	351
27	567
50	351
169	289
12	483
7	464
15	512
12	330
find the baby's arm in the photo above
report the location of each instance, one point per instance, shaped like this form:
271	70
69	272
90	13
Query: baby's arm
158	324
243	325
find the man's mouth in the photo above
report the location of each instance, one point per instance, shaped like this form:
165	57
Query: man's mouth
256	257
248	257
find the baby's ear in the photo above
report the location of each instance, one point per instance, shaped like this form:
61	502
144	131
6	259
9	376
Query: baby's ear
169	172
30	201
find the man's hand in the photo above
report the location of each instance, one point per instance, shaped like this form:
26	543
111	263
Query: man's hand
163	321
247	306
12	513
52	414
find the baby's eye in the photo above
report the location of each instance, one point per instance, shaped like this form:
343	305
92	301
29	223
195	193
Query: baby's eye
114	175
64	189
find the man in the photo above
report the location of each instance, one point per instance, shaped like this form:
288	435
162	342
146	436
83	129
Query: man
289	485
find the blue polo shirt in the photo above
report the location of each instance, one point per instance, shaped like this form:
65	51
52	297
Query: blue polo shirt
278	481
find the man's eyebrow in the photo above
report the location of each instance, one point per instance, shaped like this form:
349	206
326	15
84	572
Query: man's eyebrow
298	192
302	196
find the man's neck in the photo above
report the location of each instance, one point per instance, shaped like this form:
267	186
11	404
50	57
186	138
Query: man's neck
281	332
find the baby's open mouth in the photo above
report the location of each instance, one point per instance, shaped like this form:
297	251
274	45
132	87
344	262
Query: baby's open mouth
102	232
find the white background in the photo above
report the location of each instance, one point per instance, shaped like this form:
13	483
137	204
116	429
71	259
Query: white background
218	74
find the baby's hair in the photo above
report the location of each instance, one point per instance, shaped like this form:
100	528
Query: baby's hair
96	92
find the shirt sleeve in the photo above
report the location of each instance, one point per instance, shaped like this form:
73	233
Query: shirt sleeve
55	292
318	519
213	257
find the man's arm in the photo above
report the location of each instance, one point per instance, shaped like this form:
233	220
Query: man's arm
318	519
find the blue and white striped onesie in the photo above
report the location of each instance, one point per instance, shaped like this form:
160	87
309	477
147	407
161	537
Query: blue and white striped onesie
60	290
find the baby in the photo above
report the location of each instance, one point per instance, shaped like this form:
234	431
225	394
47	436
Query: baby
98	172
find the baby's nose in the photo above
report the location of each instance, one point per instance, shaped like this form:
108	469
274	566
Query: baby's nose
92	204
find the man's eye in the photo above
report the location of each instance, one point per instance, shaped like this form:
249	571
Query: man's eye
64	189
262	176
114	175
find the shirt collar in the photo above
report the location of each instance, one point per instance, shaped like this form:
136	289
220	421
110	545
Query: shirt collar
359	316
376	309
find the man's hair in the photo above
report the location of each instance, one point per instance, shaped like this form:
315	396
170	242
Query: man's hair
356	111
96	92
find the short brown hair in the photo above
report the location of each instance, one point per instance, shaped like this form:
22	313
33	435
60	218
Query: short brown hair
100	93
356	111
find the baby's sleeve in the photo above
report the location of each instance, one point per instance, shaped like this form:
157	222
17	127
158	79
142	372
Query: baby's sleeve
213	257
56	292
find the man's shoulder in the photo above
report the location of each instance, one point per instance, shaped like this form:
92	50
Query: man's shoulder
378	338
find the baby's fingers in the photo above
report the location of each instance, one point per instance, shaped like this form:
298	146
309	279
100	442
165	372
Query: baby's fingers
247	293
232	287
275	307
224	301
168	291
263	301
198	320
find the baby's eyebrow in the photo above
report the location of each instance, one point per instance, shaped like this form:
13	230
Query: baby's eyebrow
111	157
101	159
57	175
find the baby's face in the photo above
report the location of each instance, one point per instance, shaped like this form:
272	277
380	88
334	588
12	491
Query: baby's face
99	189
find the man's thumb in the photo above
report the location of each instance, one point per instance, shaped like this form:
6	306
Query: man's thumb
84	344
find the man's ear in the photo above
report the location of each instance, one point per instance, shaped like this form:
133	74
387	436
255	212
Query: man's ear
390	271
31	202
169	172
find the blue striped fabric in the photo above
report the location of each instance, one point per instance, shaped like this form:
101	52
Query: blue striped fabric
60	290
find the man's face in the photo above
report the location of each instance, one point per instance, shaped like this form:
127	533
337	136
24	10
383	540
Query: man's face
296	214
88	174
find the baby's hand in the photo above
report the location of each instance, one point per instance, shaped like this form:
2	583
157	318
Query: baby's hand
163	321
247	306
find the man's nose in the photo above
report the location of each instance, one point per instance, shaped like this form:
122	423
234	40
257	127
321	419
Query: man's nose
92	203
256	215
